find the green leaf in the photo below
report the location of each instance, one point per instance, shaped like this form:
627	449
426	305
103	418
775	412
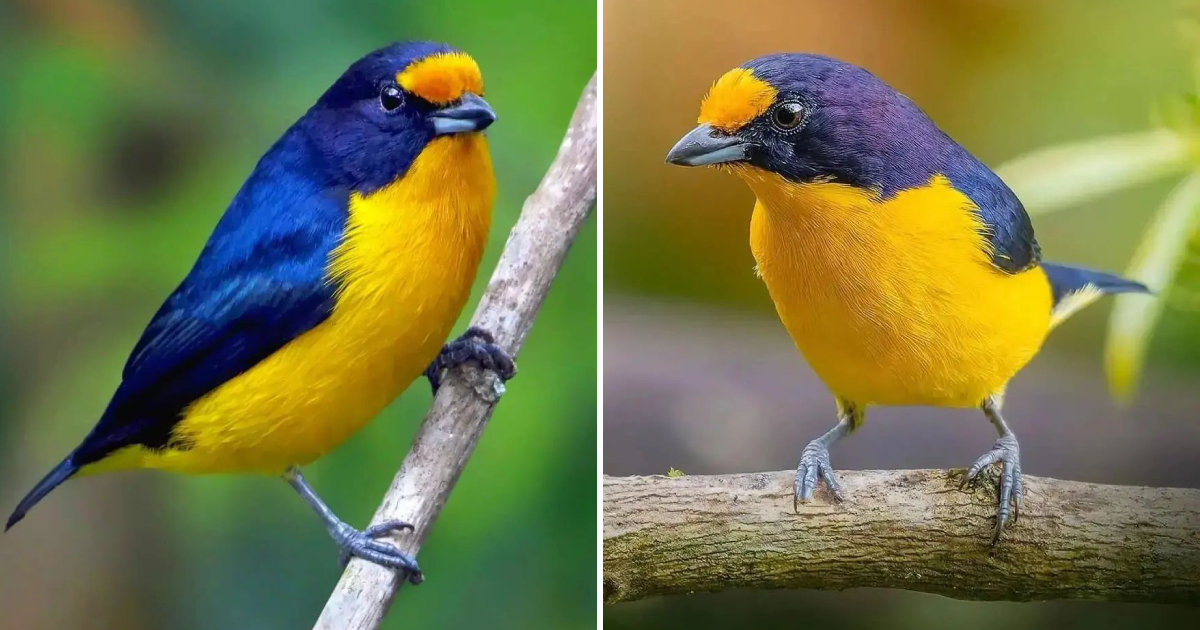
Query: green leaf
1060	176
1160	255
674	472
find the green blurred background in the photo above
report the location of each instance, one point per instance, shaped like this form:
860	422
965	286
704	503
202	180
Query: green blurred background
127	126
699	374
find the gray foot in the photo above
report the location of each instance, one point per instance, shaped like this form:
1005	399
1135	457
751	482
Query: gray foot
362	544
476	345
814	466
1007	452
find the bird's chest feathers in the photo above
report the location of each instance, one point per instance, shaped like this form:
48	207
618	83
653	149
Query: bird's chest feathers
403	272
835	245
894	300
410	253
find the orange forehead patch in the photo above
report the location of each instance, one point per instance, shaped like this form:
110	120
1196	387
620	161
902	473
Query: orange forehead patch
735	99
442	78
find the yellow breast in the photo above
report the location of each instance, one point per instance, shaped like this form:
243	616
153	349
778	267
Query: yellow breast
410	253
894	301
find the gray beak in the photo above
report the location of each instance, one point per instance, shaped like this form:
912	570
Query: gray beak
472	113
705	145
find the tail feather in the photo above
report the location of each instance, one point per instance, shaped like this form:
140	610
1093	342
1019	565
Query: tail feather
1076	287
61	473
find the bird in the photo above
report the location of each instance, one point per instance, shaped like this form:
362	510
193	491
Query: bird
327	287
904	269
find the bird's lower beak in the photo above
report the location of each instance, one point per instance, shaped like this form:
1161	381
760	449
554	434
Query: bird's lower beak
705	145
472	113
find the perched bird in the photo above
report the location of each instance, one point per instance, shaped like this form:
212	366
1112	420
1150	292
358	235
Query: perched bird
905	270
328	286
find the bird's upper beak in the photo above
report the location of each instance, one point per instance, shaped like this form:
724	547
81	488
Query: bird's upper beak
471	113
706	145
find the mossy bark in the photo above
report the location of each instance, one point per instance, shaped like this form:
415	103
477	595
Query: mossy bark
909	529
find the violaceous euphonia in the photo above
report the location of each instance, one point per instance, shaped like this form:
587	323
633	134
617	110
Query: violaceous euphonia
904	269
325	290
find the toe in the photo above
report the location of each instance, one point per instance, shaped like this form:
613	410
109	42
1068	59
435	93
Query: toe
811	476
1006	485
494	358
835	486
388	527
391	559
387	555
486	357
989	458
1003	512
505	368
384	548
481	333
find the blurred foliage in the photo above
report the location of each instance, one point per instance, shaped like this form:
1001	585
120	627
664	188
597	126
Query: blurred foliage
1062	176
126	128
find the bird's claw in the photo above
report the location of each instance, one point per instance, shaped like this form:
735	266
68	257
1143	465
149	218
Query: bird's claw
477	344
814	466
1006	452
363	544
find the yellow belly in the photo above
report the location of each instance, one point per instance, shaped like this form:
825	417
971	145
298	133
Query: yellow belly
406	265
895	302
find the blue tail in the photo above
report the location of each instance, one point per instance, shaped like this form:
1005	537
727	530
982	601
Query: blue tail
61	473
1075	287
1065	280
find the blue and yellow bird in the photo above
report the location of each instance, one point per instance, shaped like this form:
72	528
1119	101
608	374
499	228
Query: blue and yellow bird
326	289
905	270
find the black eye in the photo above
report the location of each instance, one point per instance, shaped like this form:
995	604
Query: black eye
390	98
788	116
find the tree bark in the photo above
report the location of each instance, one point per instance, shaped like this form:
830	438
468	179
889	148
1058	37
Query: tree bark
536	247
909	529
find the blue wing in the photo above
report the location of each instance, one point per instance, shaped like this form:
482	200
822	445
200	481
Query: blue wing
1009	230
259	283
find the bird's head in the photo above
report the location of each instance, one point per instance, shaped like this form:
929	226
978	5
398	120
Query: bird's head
388	106
811	118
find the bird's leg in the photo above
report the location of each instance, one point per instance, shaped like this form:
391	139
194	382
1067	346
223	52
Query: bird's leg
1008	452
476	345
354	542
814	462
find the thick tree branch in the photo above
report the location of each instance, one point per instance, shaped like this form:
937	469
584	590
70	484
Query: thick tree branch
910	529
536	247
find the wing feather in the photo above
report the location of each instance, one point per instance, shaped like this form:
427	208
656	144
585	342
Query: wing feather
260	282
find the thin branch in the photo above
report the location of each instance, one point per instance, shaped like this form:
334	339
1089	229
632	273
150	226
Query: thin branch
909	529
536	247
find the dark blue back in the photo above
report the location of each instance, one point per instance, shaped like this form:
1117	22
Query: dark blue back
259	283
